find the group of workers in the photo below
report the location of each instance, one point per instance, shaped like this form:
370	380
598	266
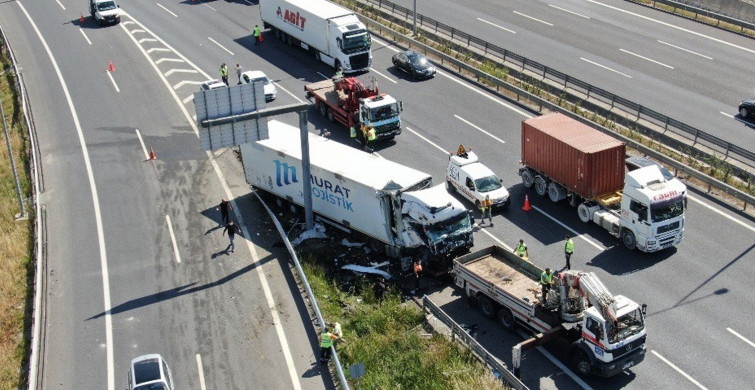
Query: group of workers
548	278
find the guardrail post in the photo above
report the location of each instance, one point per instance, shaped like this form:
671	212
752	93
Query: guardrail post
726	155
589	87
613	100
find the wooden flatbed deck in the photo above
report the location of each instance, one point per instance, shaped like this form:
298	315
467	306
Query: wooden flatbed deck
325	90
504	276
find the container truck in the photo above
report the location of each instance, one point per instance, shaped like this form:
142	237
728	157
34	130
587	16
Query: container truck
394	208
565	159
333	34
349	102
605	333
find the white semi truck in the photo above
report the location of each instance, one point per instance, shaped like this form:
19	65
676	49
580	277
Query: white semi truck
605	333
393	207
333	34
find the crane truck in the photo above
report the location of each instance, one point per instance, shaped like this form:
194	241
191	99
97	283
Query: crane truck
333	34
606	333
348	101
566	159
394	208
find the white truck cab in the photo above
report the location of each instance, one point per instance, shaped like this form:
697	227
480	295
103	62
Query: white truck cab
105	11
474	181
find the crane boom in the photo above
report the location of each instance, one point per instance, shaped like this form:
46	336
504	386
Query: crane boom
594	291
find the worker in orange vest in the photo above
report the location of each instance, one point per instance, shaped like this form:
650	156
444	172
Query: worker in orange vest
486	208
417	273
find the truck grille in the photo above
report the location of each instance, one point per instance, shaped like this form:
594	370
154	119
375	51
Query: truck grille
628	348
669	227
360	61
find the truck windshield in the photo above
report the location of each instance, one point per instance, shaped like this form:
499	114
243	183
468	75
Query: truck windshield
667	210
384	112
439	232
106	5
354	41
487	184
627	325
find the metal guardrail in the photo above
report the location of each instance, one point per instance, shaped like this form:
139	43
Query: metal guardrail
480	76
457	332
698	11
308	288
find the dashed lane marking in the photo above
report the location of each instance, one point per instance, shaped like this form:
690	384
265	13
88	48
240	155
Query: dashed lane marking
495	25
480	129
604	67
567	11
141	141
646	58
173	239
386	77
741	337
672	365
113	80
166	10
220	46
533	18
85	36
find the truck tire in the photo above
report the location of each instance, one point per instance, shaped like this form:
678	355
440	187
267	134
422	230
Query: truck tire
323	108
629	240
581	362
506	318
541	185
330	115
487	307
555	192
584	212
528	179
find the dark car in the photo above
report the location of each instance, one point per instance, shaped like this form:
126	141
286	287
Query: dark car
747	108
414	63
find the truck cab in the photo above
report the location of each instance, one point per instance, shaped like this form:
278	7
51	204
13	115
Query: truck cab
467	176
105	11
381	112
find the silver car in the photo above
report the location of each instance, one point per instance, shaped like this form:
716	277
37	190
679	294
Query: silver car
150	372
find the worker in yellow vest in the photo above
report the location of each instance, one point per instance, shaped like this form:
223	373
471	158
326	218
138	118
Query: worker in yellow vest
568	250
486	208
546	280
326	342
521	250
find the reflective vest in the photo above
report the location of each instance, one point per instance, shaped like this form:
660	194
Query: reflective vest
546	278
224	71
353	132
327	340
521	250
569	248
486	203
371	136
256	31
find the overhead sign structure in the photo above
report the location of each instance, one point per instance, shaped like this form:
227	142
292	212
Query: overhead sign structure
223	116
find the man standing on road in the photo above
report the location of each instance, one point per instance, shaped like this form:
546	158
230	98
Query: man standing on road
546	279
238	73
257	34
486	208
232	231
224	73
225	207
568	250
521	250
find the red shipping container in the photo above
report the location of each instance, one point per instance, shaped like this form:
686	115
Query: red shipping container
581	158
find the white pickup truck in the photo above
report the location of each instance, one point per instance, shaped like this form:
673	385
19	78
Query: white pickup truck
474	181
105	11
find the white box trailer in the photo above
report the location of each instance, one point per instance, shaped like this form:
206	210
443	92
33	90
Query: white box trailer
333	34
394	206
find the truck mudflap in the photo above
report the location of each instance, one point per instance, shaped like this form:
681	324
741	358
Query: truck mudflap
626	362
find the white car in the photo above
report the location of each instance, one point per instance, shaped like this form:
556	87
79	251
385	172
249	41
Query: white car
211	84
257	76
149	372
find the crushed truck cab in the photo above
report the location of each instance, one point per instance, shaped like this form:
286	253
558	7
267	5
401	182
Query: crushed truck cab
474	181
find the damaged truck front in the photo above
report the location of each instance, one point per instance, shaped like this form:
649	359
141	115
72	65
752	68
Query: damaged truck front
394	208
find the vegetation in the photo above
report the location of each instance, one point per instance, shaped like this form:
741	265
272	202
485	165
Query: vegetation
16	238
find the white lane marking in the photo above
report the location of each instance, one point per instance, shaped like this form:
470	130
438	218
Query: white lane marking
201	373
446	152
386	77
185	82
289	92
62	6
323	76
126	23
113	80
205	4
136	30
255	257
646	58
96	206
495	25
604	67
480	129
161	60
166	10
85	36
715	210
503	244
141	141
157	49
188	99
491	98
219	45
170	72
558	363
726	114
574	232
147	40
741	337
684	50
173	239
678	370
533	18
571	12
672	26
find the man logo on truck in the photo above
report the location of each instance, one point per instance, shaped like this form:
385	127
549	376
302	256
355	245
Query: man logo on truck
282	169
292	18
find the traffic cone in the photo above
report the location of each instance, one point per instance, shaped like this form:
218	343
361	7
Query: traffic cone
82	20
112	67
527	205
152	154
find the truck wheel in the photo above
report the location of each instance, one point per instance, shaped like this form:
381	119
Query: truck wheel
629	240
527	178
506	318
323	108
556	192
277	33
541	187
581	362
487	307
584	212
330	115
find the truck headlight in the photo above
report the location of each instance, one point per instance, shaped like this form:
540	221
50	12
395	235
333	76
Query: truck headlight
651	242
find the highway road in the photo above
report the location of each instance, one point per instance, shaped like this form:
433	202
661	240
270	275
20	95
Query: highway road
689	71
206	304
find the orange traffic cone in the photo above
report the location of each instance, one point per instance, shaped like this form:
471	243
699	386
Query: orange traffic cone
527	205
111	67
152	154
82	20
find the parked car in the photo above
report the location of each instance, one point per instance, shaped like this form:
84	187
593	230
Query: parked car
633	163
747	108
149	372
271	92
414	63
211	84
